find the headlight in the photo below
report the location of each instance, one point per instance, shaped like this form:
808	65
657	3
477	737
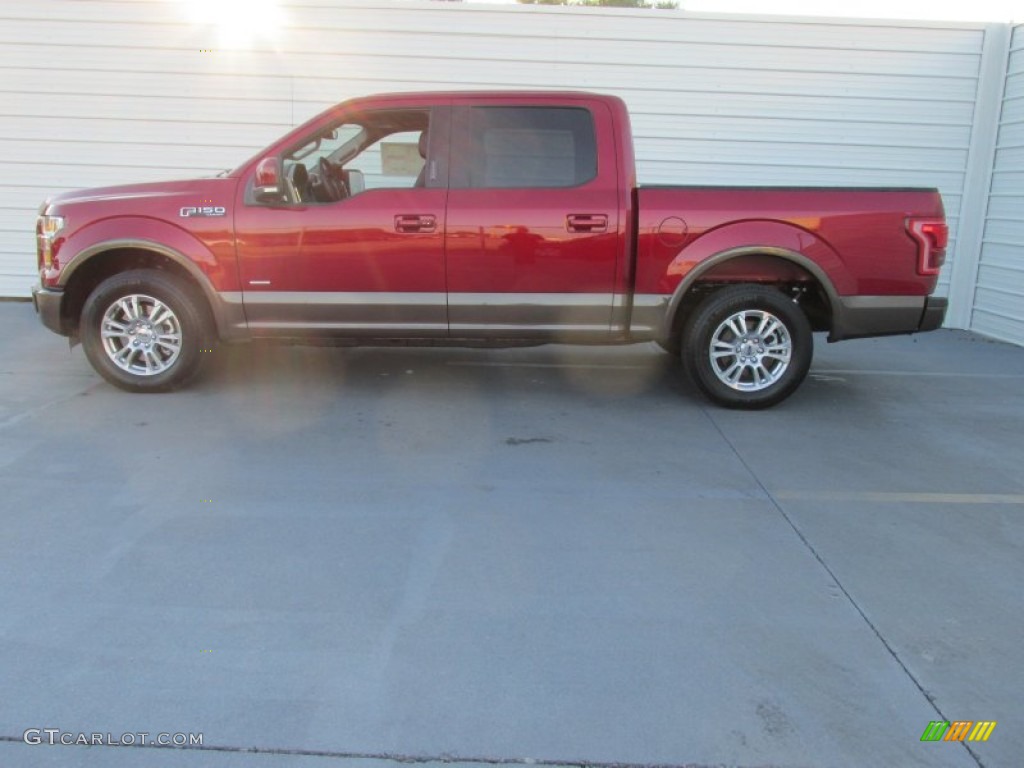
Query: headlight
47	229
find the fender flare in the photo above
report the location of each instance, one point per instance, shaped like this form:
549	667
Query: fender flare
721	257
229	318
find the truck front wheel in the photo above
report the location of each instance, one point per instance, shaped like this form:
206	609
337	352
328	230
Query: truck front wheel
143	331
747	346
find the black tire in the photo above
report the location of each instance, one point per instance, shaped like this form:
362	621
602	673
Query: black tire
761	367
156	331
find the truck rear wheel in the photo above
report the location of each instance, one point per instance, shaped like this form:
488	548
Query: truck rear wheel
747	346
143	331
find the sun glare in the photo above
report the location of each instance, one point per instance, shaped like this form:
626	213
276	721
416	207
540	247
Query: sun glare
238	23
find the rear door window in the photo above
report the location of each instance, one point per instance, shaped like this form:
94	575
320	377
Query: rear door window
530	147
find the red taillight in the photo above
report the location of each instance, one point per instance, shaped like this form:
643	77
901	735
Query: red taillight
932	236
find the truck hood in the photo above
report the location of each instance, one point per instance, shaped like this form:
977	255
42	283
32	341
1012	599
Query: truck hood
192	190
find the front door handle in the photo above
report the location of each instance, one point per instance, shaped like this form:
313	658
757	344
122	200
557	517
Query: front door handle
586	222
415	222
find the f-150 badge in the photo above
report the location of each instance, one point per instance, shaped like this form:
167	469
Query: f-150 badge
203	210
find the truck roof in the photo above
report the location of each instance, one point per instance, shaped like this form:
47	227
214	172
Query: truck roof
488	94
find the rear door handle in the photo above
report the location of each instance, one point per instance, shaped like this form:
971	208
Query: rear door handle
415	222
586	222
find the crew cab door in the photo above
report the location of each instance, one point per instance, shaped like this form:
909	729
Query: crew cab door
533	219
363	255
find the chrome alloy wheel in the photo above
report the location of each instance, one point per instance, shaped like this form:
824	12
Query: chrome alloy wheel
750	350
141	335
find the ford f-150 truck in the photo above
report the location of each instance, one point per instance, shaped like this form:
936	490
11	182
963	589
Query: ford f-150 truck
500	218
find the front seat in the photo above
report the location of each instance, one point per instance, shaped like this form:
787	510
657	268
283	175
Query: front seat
421	180
298	183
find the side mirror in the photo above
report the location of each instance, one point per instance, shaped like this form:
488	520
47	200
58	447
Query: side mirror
356	182
267	188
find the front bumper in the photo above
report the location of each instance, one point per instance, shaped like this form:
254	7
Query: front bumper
47	303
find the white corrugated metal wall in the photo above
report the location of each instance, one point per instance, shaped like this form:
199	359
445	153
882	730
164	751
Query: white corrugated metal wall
999	300
129	90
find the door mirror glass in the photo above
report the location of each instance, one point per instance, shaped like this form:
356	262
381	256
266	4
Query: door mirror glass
356	182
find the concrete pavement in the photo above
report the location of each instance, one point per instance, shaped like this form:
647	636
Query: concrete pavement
328	556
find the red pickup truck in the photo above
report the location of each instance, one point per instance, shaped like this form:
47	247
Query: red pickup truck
504	218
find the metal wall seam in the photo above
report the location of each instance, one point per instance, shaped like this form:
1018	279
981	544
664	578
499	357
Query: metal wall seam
998	307
978	179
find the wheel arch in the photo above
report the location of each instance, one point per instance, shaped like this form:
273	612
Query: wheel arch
763	265
102	260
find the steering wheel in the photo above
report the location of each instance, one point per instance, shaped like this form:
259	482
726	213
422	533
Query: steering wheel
334	186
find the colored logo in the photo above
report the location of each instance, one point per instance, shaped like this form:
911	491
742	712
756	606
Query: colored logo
943	730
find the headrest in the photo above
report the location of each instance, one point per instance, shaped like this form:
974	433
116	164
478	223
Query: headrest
423	144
